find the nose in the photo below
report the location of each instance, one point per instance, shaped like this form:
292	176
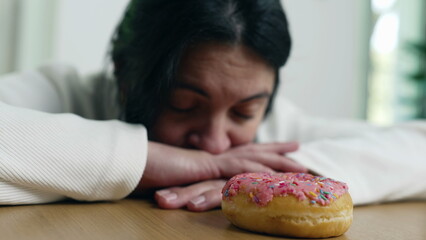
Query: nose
212	137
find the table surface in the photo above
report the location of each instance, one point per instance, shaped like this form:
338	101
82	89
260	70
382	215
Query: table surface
141	219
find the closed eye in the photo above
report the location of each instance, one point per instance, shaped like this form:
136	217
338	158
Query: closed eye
182	110
243	116
183	100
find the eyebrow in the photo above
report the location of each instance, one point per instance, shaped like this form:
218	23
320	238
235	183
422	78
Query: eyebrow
194	89
256	96
203	93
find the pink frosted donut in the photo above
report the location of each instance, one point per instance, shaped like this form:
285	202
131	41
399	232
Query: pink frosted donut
289	204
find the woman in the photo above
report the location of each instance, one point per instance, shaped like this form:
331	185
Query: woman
192	82
205	84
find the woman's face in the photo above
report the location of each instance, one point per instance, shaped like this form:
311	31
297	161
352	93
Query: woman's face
222	93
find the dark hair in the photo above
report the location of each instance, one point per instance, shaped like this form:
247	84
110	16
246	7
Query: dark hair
153	35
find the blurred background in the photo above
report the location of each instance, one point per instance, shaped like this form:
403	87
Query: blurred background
363	59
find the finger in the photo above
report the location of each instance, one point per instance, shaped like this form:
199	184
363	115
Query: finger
208	200
178	197
281	147
277	162
277	147
289	165
166	198
231	167
258	162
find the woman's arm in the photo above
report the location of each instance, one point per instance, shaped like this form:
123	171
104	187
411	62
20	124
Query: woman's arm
67	155
378	163
287	122
379	166
46	155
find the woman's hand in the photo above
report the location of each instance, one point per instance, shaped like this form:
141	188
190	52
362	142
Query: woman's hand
267	157
197	197
171	166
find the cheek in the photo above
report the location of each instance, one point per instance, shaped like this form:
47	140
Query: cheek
244	134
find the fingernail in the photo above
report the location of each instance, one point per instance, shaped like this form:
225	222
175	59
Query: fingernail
198	200
167	195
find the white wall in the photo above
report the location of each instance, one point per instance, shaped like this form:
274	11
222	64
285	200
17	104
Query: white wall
327	71
35	27
83	31
8	34
36	32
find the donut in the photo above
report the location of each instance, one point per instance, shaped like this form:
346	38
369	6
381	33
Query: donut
288	204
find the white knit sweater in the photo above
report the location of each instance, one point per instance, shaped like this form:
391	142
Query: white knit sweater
59	139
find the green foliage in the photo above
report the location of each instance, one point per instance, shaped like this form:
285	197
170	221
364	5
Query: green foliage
418	50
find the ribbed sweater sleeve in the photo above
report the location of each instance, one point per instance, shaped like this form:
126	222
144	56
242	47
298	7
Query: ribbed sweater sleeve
46	157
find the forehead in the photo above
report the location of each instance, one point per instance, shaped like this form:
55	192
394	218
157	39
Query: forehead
228	69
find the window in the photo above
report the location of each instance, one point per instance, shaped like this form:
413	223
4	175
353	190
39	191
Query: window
394	95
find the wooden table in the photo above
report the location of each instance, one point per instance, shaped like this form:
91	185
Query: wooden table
141	219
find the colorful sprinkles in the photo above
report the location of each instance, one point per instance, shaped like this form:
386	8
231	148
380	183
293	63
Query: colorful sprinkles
262	187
